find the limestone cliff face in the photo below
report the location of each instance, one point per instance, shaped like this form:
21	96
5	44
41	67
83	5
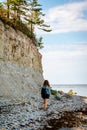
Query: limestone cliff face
20	65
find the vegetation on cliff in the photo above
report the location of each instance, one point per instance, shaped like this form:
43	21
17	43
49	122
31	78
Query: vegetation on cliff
24	15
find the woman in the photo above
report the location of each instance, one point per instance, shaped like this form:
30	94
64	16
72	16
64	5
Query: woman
45	93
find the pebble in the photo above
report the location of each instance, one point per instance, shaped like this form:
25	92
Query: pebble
28	116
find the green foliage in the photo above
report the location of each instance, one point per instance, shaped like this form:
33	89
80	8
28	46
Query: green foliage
1	5
24	15
34	16
46	30
39	43
58	96
18	25
53	92
23	28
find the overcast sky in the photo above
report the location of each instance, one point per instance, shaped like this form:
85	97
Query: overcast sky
64	57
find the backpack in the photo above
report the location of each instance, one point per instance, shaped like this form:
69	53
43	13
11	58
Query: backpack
45	92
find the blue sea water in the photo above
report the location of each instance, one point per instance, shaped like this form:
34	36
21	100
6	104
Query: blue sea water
80	89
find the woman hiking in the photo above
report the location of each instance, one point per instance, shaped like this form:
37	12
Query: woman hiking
45	93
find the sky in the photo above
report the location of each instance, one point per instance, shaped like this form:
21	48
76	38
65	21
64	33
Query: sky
64	56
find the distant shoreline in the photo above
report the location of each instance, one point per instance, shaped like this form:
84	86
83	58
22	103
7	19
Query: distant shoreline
69	84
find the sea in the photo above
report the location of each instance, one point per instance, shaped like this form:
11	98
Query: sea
80	89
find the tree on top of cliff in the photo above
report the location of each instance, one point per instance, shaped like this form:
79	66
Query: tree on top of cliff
34	16
27	13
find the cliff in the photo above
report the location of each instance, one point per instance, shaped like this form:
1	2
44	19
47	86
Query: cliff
20	66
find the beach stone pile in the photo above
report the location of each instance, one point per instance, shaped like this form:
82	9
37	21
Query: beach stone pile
31	116
69	121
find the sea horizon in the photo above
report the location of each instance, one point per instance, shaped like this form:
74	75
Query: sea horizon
68	84
80	89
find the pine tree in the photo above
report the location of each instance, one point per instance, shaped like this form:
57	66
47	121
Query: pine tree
17	7
25	15
8	7
34	16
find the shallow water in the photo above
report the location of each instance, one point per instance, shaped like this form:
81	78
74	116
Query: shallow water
80	89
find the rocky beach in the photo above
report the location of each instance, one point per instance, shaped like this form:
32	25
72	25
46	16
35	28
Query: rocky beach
65	113
21	78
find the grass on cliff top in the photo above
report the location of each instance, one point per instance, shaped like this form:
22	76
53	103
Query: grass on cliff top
19	25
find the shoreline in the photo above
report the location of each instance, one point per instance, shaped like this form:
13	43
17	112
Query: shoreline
30	116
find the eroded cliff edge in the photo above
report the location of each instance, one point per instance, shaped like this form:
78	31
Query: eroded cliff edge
21	72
